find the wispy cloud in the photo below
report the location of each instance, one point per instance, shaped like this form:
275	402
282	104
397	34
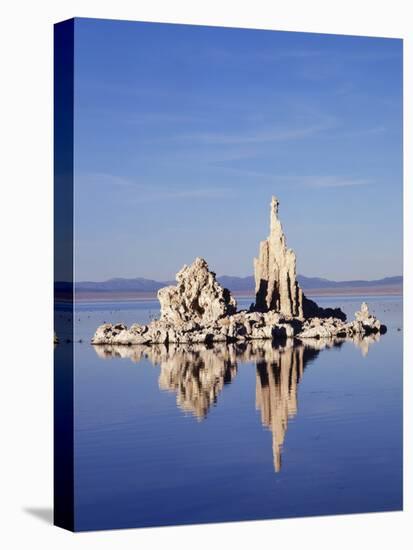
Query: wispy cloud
98	178
162	118
334	181
195	193
264	56
148	192
263	135
274	55
373	131
315	181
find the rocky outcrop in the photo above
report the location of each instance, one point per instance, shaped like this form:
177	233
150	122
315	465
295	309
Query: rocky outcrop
239	327
198	310
331	327
276	286
197	298
367	320
311	309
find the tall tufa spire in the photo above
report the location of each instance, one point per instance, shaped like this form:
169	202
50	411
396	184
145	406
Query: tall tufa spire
276	284
274	213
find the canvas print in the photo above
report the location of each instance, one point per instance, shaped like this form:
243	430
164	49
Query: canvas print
228	274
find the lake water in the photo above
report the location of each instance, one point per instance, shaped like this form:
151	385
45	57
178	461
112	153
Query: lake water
235	432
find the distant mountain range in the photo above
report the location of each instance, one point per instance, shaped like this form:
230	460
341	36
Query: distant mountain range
308	283
318	282
235	284
123	285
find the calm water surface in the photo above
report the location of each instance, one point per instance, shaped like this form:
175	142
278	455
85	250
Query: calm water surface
185	435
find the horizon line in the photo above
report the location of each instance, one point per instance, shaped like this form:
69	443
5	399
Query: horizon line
356	279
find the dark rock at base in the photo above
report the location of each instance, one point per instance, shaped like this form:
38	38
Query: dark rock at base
311	309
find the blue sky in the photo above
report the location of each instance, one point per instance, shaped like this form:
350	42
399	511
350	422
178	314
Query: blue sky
183	134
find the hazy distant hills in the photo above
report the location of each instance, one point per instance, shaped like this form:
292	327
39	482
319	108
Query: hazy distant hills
318	282
235	284
123	285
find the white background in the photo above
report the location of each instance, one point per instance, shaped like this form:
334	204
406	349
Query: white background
26	232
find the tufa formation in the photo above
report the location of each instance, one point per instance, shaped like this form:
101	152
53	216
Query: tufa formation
276	286
199	310
197	297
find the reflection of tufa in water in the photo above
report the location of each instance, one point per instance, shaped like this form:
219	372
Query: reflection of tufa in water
276	391
364	342
199	310
197	377
198	374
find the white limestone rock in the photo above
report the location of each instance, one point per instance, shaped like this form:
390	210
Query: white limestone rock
363	325
276	286
197	298
366	319
198	310
119	334
241	326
